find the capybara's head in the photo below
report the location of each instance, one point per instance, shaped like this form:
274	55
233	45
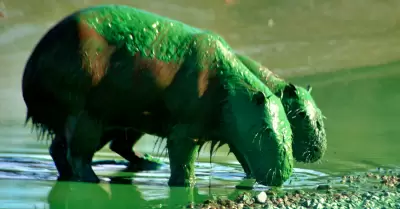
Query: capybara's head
306	119
255	124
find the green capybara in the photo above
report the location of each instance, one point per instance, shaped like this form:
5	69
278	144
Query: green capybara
306	119
101	68
309	137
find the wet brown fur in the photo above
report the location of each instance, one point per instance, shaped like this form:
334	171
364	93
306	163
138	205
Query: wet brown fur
86	73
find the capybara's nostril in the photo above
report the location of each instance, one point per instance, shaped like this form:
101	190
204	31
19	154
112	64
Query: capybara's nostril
316	149
319	126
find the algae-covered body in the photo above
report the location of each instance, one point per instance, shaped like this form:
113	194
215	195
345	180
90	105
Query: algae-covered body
306	119
309	137
101	68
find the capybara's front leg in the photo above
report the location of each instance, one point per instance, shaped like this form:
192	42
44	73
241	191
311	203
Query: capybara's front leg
182	152
58	151
241	160
83	137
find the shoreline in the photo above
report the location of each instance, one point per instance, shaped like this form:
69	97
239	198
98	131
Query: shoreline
368	190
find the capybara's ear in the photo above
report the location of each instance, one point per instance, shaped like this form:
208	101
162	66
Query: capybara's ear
259	98
290	90
309	88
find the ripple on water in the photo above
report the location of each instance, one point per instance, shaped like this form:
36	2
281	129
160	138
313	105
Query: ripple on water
226	175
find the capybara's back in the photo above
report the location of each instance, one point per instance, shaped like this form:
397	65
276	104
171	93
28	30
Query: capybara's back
47	89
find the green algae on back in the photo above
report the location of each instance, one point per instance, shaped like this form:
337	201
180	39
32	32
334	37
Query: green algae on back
151	35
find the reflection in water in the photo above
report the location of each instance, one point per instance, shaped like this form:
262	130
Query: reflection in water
124	189
118	193
76	195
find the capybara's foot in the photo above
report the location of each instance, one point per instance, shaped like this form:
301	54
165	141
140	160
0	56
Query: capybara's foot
58	152
64	178
86	175
92	179
120	180
145	163
83	172
83	138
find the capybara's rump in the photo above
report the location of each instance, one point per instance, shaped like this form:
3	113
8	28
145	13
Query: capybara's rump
51	86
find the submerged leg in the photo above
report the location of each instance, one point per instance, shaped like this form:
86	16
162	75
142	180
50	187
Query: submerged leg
182	152
122	143
83	138
58	151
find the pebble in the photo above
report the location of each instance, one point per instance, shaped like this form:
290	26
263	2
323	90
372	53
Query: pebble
240	206
324	187
319	206
262	197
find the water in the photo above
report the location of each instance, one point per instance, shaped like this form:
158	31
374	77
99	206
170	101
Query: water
347	50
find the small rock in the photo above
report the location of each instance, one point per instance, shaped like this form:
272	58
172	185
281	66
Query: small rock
262	197
324	187
240	206
247	199
387	194
319	206
308	203
257	206
271	193
367	195
190	205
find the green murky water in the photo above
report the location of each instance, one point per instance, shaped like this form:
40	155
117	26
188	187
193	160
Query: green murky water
347	50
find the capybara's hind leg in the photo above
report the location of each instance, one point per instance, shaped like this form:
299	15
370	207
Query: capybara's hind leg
123	144
58	151
83	138
123	141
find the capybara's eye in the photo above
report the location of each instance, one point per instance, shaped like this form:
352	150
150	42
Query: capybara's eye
259	98
302	114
